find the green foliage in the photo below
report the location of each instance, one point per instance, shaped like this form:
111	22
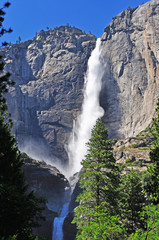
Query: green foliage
101	176
134	145
128	160
99	180
4	78
14	237
150	215
153	184
132	200
122	148
101	226
144	148
20	211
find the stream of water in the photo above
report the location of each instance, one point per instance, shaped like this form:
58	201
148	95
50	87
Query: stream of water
91	111
58	223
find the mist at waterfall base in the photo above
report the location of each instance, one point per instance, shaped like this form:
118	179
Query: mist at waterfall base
37	150
91	111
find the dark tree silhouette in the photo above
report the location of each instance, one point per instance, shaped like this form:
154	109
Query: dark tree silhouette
20	210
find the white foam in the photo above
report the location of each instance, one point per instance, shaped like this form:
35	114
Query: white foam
91	111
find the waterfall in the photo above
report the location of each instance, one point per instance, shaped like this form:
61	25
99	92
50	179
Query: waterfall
81	133
58	223
91	111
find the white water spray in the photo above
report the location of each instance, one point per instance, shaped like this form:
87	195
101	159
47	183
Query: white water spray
91	111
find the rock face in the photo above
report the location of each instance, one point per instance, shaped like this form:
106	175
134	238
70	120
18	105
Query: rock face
131	81
69	229
49	74
47	182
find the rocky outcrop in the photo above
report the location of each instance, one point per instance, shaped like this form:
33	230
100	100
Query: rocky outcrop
49	75
47	182
134	152
130	50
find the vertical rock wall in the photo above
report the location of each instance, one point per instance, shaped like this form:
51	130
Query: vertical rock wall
49	75
131	81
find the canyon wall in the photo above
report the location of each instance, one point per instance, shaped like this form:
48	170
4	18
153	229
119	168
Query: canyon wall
49	74
131	82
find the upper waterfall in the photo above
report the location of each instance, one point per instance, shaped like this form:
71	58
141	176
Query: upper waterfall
90	112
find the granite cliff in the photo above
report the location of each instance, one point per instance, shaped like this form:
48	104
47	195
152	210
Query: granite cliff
131	82
49	74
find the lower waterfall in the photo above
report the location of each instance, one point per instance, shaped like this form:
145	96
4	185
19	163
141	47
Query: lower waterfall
58	223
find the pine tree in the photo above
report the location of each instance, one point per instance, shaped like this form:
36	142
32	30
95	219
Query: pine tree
100	179
20	210
132	201
101	226
153	184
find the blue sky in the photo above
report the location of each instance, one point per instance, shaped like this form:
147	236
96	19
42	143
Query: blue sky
26	17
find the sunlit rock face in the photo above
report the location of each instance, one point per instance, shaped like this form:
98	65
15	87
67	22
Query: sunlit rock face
131	81
49	74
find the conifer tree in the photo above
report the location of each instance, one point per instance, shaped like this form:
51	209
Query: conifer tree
150	215
132	201
100	179
20	210
153	184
